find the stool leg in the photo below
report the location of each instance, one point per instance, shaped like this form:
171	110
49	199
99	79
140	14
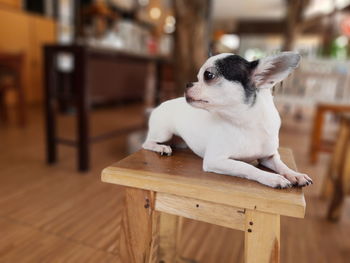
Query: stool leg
170	230
262	237
139	237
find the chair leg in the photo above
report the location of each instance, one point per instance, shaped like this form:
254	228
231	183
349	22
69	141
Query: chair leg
49	99
83	140
327	187
316	135
20	101
337	202
82	106
342	181
3	108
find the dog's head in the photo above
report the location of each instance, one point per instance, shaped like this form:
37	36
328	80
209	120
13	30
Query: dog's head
228	80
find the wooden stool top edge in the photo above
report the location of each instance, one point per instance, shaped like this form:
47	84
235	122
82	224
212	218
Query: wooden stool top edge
182	175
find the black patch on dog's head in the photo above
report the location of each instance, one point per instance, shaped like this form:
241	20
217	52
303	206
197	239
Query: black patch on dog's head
236	68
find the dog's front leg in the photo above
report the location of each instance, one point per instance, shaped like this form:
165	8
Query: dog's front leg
275	163
241	169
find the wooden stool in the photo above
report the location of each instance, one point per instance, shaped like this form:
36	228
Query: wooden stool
317	143
178	186
337	181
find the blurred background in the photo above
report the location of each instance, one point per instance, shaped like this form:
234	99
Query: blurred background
79	78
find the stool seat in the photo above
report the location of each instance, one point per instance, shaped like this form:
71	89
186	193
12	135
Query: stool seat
181	174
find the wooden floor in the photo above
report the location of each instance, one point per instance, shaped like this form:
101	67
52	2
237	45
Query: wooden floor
55	214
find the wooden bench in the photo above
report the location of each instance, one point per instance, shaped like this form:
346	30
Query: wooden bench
161	189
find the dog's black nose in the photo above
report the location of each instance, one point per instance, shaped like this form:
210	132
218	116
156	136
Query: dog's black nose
189	85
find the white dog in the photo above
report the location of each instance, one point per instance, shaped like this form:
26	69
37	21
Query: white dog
228	118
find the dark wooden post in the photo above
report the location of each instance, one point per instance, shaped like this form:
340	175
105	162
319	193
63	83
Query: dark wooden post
50	80
191	39
82	104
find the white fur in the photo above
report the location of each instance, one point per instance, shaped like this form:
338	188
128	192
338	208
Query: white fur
226	131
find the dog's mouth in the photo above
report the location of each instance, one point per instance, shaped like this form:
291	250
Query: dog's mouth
192	100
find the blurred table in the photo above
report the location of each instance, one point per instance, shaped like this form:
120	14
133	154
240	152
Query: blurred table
90	76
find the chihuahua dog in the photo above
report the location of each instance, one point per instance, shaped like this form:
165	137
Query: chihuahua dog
229	119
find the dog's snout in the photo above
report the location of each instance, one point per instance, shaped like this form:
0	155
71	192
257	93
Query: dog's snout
189	85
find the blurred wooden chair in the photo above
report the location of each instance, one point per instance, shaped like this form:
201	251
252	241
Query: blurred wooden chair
317	143
11	70
337	183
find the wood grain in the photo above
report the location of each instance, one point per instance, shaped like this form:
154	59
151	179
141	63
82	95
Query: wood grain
139	227
218	214
262	238
182	174
262	230
169	233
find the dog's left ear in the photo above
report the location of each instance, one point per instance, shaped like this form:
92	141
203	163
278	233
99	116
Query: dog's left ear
273	69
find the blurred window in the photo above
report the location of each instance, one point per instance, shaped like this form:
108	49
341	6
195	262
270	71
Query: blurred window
317	7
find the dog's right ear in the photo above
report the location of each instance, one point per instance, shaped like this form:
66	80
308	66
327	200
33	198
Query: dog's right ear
273	69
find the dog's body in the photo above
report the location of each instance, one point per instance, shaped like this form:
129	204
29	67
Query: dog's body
228	132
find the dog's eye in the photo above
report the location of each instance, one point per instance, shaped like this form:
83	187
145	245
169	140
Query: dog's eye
209	75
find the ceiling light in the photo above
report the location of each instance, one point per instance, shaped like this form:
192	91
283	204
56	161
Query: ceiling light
170	20
155	13
230	40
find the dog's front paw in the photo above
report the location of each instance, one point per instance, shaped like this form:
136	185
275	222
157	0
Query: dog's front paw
159	148
164	150
298	179
277	181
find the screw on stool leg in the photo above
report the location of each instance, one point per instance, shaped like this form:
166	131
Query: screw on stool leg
147	203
